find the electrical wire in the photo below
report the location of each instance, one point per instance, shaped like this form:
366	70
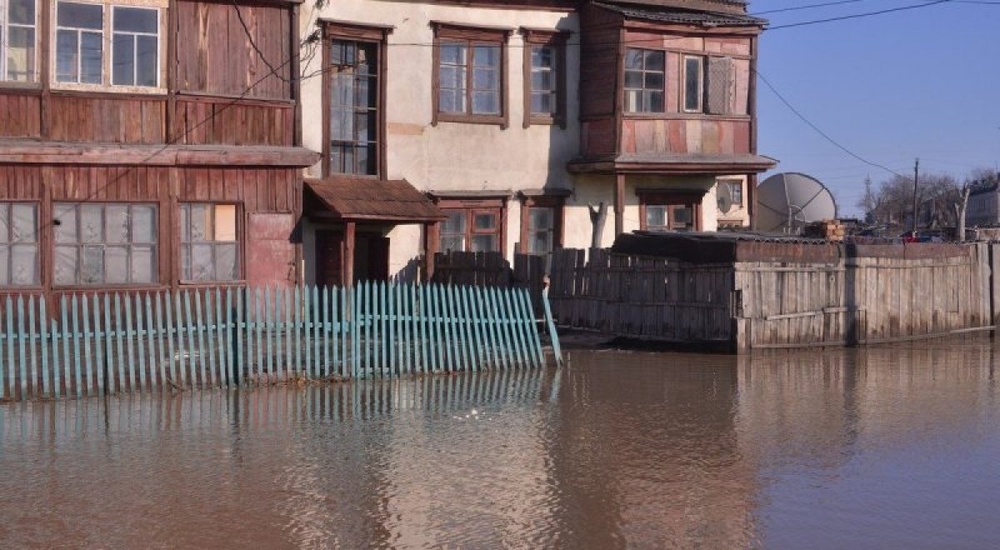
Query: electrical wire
819	131
858	15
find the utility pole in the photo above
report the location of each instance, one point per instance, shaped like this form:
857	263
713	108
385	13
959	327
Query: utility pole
916	175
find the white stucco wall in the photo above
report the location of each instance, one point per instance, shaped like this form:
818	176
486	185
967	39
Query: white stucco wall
451	156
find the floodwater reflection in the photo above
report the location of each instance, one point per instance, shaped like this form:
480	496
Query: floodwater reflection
880	447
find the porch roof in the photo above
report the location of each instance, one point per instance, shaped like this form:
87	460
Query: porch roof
371	199
672	163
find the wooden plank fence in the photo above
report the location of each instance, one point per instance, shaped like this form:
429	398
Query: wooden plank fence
641	296
493	270
868	295
200	338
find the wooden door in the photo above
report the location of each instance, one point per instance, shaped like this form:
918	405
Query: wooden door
270	250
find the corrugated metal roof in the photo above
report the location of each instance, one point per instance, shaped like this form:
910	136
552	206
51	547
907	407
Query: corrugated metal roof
357	198
682	16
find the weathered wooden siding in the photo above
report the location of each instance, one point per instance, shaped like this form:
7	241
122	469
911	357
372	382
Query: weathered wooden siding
689	135
20	114
600	39
206	120
107	118
255	190
215	56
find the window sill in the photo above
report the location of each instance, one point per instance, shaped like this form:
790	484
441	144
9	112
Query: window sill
100	89
495	120
541	120
14	87
683	116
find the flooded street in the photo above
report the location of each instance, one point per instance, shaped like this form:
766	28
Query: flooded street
887	447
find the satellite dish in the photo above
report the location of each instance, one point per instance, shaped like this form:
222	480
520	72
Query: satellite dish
789	201
724	197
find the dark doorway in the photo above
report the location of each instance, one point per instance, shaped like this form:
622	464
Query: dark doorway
329	258
371	257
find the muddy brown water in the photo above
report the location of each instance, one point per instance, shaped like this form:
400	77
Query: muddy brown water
887	447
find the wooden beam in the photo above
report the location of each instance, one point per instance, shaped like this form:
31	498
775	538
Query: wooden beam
25	152
619	204
350	243
432	239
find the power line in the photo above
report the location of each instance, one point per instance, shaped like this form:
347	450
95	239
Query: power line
821	132
809	7
858	15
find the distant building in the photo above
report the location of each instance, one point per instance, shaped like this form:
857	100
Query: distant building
984	206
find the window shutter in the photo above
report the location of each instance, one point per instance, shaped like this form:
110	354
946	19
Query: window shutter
720	85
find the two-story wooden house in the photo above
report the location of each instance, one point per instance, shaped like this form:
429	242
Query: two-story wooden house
517	119
148	144
668	110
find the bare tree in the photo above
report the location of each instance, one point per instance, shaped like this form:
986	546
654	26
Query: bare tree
893	203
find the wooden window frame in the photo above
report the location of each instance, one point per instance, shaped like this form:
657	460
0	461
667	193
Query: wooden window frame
644	71
107	47
557	204
471	36
733	183
240	244
5	26
157	245
348	31
685	74
672	200
112	32
497	207
557	41
37	284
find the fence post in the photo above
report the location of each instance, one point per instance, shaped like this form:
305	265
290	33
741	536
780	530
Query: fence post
553	335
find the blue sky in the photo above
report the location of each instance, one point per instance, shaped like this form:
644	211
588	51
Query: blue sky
890	88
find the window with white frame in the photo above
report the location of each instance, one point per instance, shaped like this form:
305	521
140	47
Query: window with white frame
18	52
105	243
107	44
694	83
18	244
210	245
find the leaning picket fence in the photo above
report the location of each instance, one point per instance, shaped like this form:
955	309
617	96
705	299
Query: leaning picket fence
98	344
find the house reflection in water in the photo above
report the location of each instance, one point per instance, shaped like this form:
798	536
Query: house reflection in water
613	450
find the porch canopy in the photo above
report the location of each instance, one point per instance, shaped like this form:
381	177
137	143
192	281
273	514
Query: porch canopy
373	200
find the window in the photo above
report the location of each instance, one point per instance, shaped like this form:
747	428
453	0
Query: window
18	20
471	230
210	246
544	77
470	65
82	41
105	244
644	80
134	47
666	211
541	230
354	100
694	89
735	188
541	223
18	244
662	217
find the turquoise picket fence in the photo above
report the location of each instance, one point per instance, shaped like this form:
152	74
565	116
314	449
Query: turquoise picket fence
110	343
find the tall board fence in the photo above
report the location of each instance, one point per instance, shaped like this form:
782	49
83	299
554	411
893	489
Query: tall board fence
99	344
641	296
764	295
